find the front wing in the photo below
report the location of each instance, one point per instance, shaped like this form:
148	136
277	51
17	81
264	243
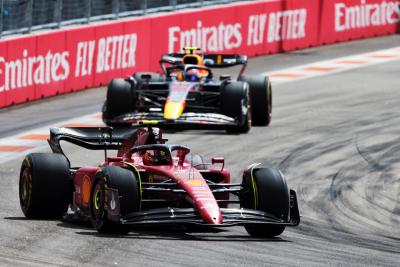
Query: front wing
230	216
188	119
188	216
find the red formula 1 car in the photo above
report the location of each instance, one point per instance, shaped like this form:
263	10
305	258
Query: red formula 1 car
151	183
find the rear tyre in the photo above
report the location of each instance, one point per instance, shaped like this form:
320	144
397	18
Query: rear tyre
265	190
235	104
123	180
120	100
45	187
260	99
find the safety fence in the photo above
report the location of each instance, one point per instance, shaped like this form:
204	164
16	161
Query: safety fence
61	61
25	16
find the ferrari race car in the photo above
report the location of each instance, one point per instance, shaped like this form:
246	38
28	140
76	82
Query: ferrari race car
151	183
188	94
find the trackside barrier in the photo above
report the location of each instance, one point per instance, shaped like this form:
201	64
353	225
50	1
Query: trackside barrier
344	20
43	65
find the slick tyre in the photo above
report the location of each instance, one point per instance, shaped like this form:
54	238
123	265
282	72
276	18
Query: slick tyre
45	187
260	99
120	100
126	183
265	190
235	104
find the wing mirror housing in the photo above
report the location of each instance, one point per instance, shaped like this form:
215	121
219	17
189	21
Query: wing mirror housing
219	160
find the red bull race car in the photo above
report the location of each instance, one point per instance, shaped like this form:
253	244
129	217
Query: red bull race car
151	183
188	94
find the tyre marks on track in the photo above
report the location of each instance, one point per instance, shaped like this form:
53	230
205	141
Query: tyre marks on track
348	188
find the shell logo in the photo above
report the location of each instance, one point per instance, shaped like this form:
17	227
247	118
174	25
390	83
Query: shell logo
195	182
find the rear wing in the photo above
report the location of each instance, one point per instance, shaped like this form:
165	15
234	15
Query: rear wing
210	60
93	138
224	61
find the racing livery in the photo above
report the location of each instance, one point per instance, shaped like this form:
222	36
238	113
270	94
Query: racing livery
187	94
150	182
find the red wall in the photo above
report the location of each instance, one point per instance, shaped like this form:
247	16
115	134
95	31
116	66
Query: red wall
62	61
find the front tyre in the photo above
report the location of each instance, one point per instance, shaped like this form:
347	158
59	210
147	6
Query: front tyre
260	99
45	187
235	104
127	185
265	189
120	100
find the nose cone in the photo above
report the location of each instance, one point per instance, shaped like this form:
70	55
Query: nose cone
217	218
173	110
211	215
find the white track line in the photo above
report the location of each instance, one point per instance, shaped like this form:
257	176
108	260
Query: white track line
16	146
34	140
335	65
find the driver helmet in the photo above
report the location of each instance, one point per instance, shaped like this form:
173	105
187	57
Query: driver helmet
155	157
193	75
148	158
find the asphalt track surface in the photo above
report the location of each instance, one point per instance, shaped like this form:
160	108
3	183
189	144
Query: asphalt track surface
336	138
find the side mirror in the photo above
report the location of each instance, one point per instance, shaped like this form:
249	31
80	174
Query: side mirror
220	160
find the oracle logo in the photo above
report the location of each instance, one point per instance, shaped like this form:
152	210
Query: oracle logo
365	15
29	70
212	38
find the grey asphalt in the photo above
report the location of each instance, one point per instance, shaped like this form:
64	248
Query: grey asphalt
336	138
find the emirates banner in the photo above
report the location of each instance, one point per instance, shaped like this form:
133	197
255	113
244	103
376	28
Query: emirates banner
43	65
343	20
